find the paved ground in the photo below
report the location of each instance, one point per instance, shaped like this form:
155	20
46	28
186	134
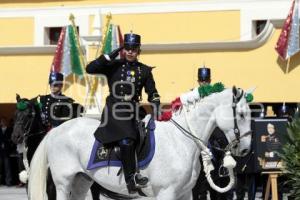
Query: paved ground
13	193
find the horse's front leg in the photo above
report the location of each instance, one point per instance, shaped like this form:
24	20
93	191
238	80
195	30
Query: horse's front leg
166	194
187	196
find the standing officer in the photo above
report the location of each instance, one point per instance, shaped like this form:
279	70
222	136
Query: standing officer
5	150
204	76
202	186
219	140
56	107
126	79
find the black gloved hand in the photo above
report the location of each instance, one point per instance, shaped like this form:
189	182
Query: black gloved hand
115	53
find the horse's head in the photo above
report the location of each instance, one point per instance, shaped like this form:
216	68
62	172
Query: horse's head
233	117
211	106
26	113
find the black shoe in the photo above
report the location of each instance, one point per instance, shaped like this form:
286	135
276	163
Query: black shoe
131	187
140	181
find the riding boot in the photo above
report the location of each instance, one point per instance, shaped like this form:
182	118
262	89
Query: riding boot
133	180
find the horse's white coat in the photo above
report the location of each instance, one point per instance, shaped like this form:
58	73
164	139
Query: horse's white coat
172	172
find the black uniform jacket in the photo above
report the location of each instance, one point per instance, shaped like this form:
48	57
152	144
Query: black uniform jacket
125	81
6	145
56	109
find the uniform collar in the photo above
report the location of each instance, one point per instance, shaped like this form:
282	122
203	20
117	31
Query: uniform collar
134	63
56	95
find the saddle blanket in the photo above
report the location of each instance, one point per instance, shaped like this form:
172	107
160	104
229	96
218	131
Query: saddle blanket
110	156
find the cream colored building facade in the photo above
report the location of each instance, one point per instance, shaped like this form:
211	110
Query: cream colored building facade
177	36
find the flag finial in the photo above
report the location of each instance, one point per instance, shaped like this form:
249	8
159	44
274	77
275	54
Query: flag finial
108	16
71	17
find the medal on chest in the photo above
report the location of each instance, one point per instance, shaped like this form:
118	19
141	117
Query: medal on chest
130	76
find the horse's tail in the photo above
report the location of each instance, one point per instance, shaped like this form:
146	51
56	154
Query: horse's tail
38	173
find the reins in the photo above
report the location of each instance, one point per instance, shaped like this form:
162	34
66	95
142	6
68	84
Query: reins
236	130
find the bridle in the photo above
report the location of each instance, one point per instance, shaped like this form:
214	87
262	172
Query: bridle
27	127
234	143
27	131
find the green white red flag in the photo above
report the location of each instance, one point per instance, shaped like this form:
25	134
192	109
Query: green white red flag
68	58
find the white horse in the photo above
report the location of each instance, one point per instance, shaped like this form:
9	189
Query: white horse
175	166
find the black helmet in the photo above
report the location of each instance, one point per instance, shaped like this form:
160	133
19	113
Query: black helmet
56	77
132	40
204	74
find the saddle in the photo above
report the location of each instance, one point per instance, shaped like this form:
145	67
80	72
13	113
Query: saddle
143	130
102	156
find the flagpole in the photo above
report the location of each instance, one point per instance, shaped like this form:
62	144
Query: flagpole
95	80
72	19
83	62
288	65
108	20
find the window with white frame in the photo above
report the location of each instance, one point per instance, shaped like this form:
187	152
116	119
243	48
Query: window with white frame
52	35
258	26
48	28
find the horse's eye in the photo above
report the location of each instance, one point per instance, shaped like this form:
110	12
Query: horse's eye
30	114
242	116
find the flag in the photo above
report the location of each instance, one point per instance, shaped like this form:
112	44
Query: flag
68	58
112	40
288	41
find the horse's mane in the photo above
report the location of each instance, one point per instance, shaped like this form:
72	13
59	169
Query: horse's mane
199	95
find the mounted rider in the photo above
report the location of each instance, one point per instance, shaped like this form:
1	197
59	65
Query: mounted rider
56	107
126	78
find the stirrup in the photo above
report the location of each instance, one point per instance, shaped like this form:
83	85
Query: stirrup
140	181
136	182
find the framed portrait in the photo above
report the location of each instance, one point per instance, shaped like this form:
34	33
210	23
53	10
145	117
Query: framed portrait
269	136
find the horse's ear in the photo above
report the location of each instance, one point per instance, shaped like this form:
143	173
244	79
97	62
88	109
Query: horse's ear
249	94
34	100
234	91
250	90
18	98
